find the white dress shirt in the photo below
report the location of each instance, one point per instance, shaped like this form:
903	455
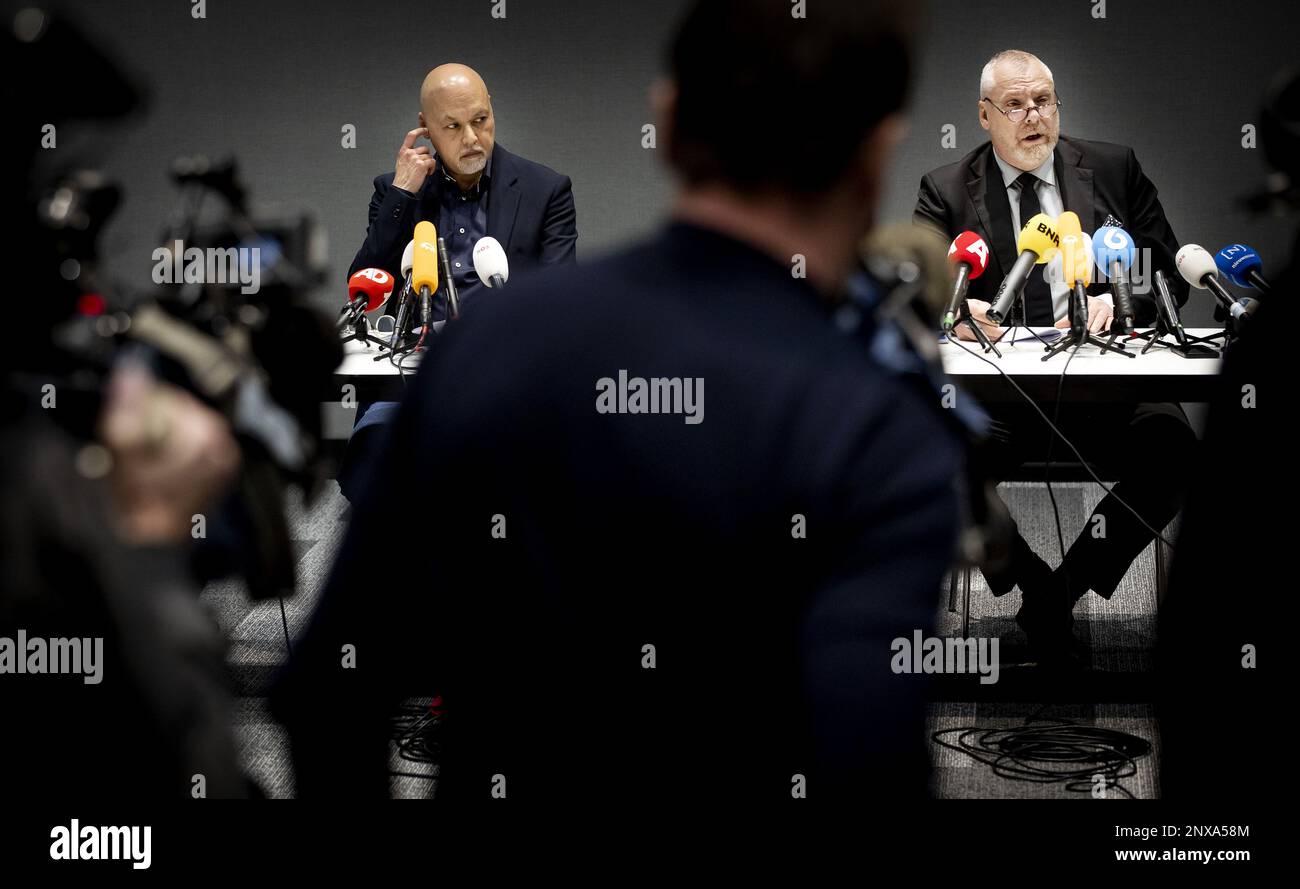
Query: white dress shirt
1049	198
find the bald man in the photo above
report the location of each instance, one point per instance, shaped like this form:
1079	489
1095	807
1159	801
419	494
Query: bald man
469	187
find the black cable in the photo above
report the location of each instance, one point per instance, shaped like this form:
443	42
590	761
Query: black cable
1061	435
1047	470
284	620
1059	752
417	733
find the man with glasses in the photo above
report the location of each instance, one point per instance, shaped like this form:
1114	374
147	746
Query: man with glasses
1024	169
1027	167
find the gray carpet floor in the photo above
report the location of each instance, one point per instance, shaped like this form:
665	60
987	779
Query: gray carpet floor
1119	633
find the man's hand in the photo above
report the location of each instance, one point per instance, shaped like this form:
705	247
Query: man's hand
173	457
1099	316
979	311
414	162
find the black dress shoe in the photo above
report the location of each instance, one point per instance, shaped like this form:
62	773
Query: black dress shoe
1026	569
1046	616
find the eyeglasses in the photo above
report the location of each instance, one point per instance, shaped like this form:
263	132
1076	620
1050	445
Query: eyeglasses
1016	115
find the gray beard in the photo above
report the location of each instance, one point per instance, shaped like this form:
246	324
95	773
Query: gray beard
1034	157
474	167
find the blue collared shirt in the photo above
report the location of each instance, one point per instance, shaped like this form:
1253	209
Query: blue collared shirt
461	223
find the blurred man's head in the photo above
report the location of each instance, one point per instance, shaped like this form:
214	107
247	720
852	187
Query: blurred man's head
791	119
457	111
1016	84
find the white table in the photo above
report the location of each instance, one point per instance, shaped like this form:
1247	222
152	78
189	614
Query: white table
1159	375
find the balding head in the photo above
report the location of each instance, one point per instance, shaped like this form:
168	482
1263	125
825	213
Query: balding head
1012	81
456	109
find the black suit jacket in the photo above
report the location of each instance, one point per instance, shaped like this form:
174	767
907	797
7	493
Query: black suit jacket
1096	180
530	211
772	651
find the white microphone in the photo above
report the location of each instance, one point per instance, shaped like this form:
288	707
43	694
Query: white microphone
1197	267
403	301
490	262
408	260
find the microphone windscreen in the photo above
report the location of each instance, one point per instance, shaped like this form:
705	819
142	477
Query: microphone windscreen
490	259
376	285
1237	260
923	247
1076	264
1039	235
408	258
424	266
1194	262
971	249
1111	244
1068	224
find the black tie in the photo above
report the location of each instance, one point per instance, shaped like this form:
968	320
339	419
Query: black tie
1038	296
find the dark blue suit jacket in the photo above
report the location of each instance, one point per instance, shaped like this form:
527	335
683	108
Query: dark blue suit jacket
530	211
617	531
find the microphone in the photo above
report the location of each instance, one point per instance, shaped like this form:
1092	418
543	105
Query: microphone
368	290
1198	269
424	268
408	261
1242	266
914	255
1037	244
490	262
969	254
453	299
1114	252
404	301
1165	303
1076	265
1076	250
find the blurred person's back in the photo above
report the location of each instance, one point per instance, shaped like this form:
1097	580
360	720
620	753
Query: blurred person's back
694	601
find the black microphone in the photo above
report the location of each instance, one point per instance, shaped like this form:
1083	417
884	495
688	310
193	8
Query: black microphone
453	300
1165	304
404	301
1037	243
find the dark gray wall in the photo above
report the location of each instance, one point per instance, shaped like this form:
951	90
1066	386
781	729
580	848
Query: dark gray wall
1164	77
273	83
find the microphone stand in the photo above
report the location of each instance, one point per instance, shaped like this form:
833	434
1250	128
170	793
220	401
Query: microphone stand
397	342
1169	324
361	333
980	336
1079	334
1018	318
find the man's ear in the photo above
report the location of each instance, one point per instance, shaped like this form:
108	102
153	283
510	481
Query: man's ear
984	116
875	154
663	102
421	119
